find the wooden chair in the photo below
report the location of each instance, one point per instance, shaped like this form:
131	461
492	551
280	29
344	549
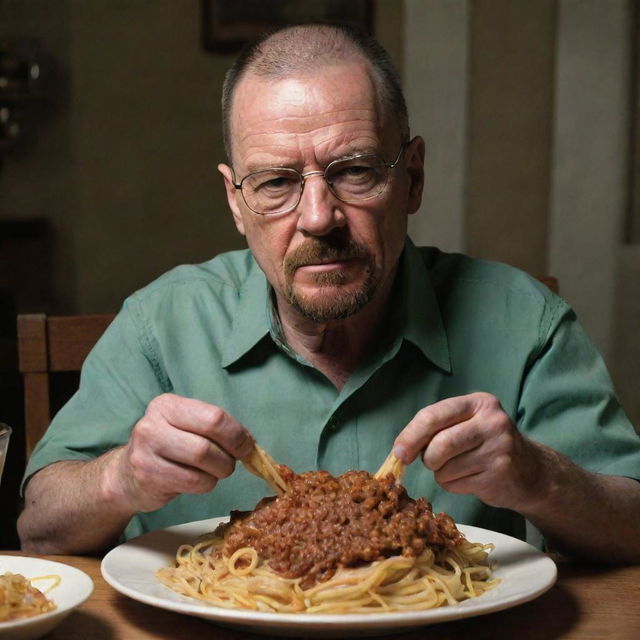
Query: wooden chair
49	345
551	282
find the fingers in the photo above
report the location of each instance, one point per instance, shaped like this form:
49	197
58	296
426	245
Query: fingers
180	445
155	480
473	447
452	442
496	472
197	417
183	447
435	418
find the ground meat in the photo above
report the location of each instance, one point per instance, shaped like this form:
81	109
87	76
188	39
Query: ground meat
325	522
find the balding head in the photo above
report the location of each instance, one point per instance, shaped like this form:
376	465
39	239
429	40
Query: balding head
305	49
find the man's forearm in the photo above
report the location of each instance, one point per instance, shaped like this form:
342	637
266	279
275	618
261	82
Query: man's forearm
588	515
68	509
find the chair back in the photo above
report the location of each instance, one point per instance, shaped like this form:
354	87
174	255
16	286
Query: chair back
49	345
551	282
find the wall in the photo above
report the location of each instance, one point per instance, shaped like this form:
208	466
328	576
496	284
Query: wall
130	180
510	124
125	164
436	88
526	109
36	178
590	161
146	143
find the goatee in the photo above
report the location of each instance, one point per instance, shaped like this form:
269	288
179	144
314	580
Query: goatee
337	304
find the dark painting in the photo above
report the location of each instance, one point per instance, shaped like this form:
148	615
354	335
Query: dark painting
229	25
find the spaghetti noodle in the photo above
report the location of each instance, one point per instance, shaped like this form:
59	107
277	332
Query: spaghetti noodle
261	464
348	544
20	599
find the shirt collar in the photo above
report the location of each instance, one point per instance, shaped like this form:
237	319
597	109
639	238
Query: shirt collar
253	316
419	318
418	314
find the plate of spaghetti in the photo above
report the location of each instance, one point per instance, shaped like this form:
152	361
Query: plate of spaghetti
329	555
36	595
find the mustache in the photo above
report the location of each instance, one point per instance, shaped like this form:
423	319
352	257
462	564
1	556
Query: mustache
323	249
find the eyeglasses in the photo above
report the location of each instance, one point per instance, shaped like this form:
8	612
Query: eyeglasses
269	192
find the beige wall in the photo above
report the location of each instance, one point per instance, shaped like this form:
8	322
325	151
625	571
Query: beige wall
525	108
146	142
436	62
35	178
510	125
124	164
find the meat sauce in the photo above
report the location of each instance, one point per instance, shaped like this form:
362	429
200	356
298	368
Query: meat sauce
325	522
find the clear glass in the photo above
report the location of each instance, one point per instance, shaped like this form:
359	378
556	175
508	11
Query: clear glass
5	434
278	190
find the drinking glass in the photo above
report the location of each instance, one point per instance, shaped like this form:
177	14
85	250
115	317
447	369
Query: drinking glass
5	433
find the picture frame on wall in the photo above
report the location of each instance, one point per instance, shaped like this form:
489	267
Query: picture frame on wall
228	25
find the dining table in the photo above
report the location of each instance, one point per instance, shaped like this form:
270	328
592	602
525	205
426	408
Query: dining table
588	601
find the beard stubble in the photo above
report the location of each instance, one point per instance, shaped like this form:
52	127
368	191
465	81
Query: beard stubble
337	304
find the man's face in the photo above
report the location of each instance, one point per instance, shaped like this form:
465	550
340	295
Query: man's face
326	259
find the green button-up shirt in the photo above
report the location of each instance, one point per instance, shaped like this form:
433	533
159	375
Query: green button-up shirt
456	326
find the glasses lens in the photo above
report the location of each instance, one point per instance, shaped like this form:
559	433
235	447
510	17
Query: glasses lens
358	178
272	190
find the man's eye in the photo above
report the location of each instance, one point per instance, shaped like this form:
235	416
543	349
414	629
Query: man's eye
274	183
356	170
353	173
277	183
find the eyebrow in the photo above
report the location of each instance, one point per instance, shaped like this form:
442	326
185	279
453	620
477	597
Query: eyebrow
350	152
371	151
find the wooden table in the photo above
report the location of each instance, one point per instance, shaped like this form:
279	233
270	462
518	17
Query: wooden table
587	603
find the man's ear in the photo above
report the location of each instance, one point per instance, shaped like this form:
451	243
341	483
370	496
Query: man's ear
415	168
232	196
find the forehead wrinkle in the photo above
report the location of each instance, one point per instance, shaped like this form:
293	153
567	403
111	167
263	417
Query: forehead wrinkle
307	123
295	123
292	101
318	146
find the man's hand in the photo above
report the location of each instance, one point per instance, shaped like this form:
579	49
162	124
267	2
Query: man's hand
179	446
473	447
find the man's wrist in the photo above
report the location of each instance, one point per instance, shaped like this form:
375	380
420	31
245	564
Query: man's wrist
547	488
113	486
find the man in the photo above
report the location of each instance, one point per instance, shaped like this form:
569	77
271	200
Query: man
335	339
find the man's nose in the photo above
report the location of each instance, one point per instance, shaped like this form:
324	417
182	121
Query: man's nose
319	210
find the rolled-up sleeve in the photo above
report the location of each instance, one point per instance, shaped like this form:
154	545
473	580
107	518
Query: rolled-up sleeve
568	402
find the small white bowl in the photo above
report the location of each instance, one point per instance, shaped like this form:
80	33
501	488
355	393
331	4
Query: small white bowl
74	588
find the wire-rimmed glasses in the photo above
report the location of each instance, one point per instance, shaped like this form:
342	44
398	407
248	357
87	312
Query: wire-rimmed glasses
278	190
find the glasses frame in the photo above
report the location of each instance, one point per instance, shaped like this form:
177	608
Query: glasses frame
303	178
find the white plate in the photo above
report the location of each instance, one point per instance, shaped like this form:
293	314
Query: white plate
74	588
525	573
